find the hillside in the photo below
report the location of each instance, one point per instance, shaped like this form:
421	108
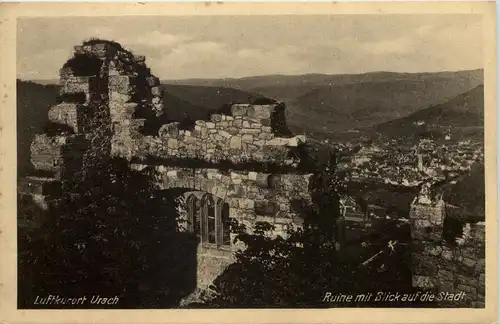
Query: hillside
338	107
360	105
463	112
33	103
276	83
328	105
195	102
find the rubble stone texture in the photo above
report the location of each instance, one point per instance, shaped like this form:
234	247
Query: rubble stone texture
447	267
112	106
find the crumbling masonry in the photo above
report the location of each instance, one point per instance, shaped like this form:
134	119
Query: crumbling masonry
443	267
112	106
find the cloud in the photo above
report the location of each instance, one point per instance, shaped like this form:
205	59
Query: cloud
188	47
402	45
155	39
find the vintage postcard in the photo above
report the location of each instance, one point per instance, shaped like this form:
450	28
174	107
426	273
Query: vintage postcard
248	162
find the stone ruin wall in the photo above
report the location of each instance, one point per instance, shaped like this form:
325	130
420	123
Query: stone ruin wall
251	196
441	266
111	105
104	79
138	120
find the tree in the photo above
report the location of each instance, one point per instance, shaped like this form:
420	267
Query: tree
111	233
299	270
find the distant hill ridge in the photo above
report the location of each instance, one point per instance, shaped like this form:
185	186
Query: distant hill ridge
463	111
322	106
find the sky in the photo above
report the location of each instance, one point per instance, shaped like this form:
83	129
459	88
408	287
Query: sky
182	47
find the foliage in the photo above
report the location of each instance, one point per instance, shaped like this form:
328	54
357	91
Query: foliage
111	233
297	271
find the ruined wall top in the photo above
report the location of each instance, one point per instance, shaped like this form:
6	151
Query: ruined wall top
104	76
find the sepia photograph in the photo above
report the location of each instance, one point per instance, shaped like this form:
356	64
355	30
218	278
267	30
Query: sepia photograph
251	161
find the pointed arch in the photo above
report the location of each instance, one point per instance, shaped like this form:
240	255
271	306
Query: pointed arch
214	221
192	213
226	237
208	220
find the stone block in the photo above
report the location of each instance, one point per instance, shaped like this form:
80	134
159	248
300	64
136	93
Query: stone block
467	280
152	81
235	142
264	219
251	131
446	286
210	125
422	282
278	141
445	275
266	136
78	50
100	50
245	124
265	122
72	85
232	130
246	204
260	111
238	123
139	59
447	254
266	129
225	134
121	84
215	118
172	143
421	223
40	186
266	208
255	125
157	91
172	173
247	138
170	129
239	109
480	266
426	267
433	250
252	175
468	263
68	114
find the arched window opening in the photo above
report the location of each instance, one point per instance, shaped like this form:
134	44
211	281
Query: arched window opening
192	208
214	222
226	238
211	222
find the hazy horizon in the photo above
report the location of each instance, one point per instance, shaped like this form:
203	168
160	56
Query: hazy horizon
216	47
284	75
